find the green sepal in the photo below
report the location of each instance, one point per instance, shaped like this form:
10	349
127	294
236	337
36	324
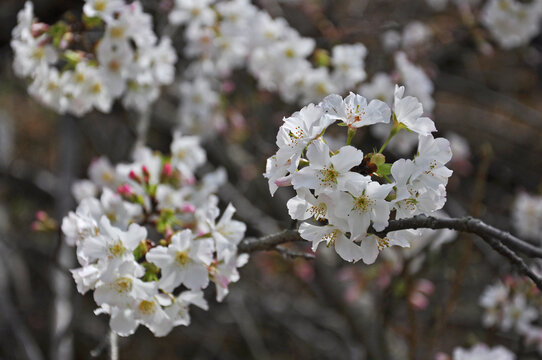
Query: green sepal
57	31
140	250
91	21
151	272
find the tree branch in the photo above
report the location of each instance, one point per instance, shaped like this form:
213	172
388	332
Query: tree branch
465	224
501	241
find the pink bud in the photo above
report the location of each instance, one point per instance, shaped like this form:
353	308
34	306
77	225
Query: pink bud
168	171
134	176
228	86
125	190
425	286
36	226
145	170
201	233
189	208
418	300
284	181
41	215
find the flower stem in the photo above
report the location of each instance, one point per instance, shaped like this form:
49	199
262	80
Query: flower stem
351	133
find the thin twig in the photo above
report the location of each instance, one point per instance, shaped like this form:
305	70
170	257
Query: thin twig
289	253
113	346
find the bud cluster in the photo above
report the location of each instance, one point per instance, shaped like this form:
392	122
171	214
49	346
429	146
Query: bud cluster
345	192
76	65
149	238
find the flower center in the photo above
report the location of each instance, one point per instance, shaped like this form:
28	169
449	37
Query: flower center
182	257
318	211
99	5
331	237
117	32
116	249
328	176
146	307
363	203
123	285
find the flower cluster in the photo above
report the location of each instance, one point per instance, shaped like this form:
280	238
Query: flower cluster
225	35
527	216
149	238
513	305
347	192
73	70
512	23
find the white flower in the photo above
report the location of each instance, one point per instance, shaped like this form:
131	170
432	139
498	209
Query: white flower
194	12
25	18
365	203
178	311
518	314
305	205
527	216
186	154
225	272
226	233
332	235
83	189
124	287
354	110
415	34
483	352
102	173
298	131
31	57
433	154
86	277
327	172
348	64
408	111
102	8
512	23
381	87
112	246
416	81
184	261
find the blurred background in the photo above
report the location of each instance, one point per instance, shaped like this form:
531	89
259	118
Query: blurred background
424	300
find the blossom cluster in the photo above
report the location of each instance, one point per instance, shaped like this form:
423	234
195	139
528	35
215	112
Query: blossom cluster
347	192
149	238
512	23
222	36
73	70
527	216
513	305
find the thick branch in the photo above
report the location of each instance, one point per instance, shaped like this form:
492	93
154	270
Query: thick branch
465	224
